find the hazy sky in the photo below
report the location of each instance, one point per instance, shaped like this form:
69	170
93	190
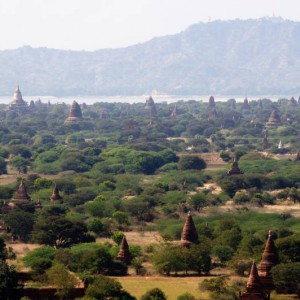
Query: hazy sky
96	24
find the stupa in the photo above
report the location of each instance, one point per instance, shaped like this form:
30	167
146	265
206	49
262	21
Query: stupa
211	102
124	253
21	195
150	105
75	113
292	103
246	104
254	289
268	261
55	195
235	170
17	104
274	119
189	233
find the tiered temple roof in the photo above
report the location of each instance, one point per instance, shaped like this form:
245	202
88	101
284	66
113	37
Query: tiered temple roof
235	170
55	195
75	113
150	105
18	104
124	253
268	261
254	290
21	195
211	102
189	233
246	104
274	119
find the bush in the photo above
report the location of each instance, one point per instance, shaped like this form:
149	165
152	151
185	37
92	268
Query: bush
154	294
191	163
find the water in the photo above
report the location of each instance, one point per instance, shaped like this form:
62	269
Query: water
138	99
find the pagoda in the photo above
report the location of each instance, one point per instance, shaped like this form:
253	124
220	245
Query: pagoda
189	233
75	113
211	102
17	104
269	260
254	289
246	104
124	254
274	119
235	170
55	195
292	103
21	195
150	105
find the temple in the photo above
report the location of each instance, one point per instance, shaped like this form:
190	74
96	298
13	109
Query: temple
292	103
150	105
269	260
189	233
18	105
55	195
21	195
235	170
75	113
254	289
274	119
246	104
124	253
211	102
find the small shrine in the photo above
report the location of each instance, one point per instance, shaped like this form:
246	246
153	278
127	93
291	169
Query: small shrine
124	254
235	170
254	289
189	233
55	195
75	113
21	195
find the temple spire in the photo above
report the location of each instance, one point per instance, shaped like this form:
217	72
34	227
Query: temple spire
21	195
55	195
124	253
235	170
189	233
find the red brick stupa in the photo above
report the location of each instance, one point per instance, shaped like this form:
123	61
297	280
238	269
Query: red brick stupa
21	195
274	119
75	113
269	260
189	233
150	105
246	104
124	254
55	195
254	290
235	170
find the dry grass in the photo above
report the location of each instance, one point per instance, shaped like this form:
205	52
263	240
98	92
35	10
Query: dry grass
171	286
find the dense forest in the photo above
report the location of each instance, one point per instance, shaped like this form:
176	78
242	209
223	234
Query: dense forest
78	182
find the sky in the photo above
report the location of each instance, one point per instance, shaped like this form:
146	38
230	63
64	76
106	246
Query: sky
96	24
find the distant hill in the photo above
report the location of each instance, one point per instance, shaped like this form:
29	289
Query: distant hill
222	57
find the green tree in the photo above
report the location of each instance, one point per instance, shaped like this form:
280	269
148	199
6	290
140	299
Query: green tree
20	163
59	232
3	169
154	294
198	201
191	162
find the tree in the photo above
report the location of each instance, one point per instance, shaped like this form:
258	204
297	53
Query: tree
20	223
59	232
106	288
62	279
186	296
3	169
191	162
154	294
286	278
198	201
20	163
9	287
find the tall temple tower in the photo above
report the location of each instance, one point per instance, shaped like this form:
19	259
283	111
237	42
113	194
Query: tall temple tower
17	104
75	113
21	195
189	233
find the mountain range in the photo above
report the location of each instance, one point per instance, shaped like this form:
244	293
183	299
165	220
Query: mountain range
236	57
